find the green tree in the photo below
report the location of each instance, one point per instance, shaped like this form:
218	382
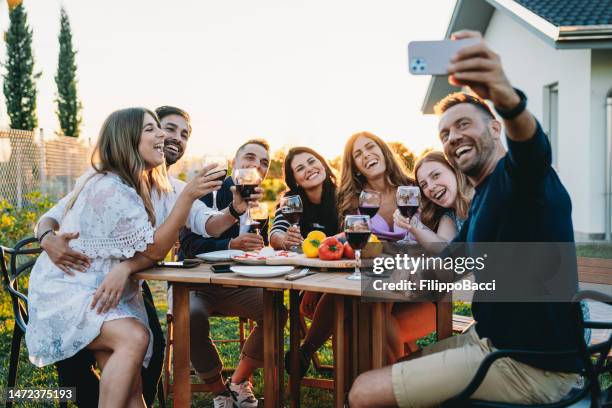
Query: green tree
275	169
19	77
405	154
68	104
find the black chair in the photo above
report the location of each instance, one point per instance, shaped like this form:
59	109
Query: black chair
11	273
590	395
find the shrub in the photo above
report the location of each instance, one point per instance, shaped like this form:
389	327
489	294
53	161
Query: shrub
272	188
19	223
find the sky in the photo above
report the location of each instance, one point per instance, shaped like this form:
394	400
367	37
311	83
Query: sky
291	71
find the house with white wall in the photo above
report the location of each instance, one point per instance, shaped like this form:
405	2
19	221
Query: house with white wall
559	52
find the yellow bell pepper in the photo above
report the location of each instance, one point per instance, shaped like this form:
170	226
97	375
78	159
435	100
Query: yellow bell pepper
310	246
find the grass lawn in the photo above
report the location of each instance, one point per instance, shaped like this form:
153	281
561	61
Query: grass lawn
594	250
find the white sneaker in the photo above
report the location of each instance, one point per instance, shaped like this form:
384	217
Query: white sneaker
223	401
243	394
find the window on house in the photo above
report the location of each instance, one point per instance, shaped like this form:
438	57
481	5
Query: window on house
551	119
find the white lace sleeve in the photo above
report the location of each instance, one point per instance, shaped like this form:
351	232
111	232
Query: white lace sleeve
112	220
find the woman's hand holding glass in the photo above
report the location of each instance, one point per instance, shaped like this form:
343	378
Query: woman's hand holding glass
292	208
293	238
407	223
202	184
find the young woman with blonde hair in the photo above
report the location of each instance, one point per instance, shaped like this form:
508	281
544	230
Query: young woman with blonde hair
445	199
125	216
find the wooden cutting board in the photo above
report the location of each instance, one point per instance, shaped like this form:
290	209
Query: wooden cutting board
302	260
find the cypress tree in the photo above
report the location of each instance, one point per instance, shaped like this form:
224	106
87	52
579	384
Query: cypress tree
19	77
68	105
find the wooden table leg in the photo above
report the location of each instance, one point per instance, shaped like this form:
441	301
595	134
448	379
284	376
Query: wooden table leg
294	344
340	351
364	329
444	317
379	335
354	339
181	368
273	348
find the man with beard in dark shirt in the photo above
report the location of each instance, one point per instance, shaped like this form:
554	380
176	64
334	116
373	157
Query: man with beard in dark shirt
518	198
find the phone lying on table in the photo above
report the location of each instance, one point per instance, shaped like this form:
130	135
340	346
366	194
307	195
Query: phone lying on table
221	268
433	57
179	264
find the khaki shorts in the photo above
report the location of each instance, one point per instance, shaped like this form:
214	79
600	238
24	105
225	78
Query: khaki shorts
448	366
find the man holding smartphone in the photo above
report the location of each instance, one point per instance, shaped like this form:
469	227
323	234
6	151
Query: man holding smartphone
519	197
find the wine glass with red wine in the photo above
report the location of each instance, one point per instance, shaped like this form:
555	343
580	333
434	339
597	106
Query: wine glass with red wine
357	229
369	203
220	171
246	181
259	215
292	208
408	200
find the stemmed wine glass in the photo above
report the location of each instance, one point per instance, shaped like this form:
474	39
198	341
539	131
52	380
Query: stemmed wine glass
357	229
246	181
221	169
369	203
259	214
408	200
291	207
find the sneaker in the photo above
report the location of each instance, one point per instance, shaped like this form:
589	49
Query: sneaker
243	394
224	400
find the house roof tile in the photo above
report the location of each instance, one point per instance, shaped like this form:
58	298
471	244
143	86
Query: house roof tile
563	13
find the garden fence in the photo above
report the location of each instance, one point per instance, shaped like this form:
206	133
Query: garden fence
32	161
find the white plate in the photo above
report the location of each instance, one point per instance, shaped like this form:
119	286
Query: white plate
261	271
224	255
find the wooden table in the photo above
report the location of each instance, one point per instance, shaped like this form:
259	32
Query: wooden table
351	356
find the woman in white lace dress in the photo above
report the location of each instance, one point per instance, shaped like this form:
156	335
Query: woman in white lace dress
112	210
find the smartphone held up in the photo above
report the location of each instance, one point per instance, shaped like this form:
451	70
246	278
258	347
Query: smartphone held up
434	57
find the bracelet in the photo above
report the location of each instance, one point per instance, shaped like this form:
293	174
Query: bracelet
517	110
44	234
233	212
